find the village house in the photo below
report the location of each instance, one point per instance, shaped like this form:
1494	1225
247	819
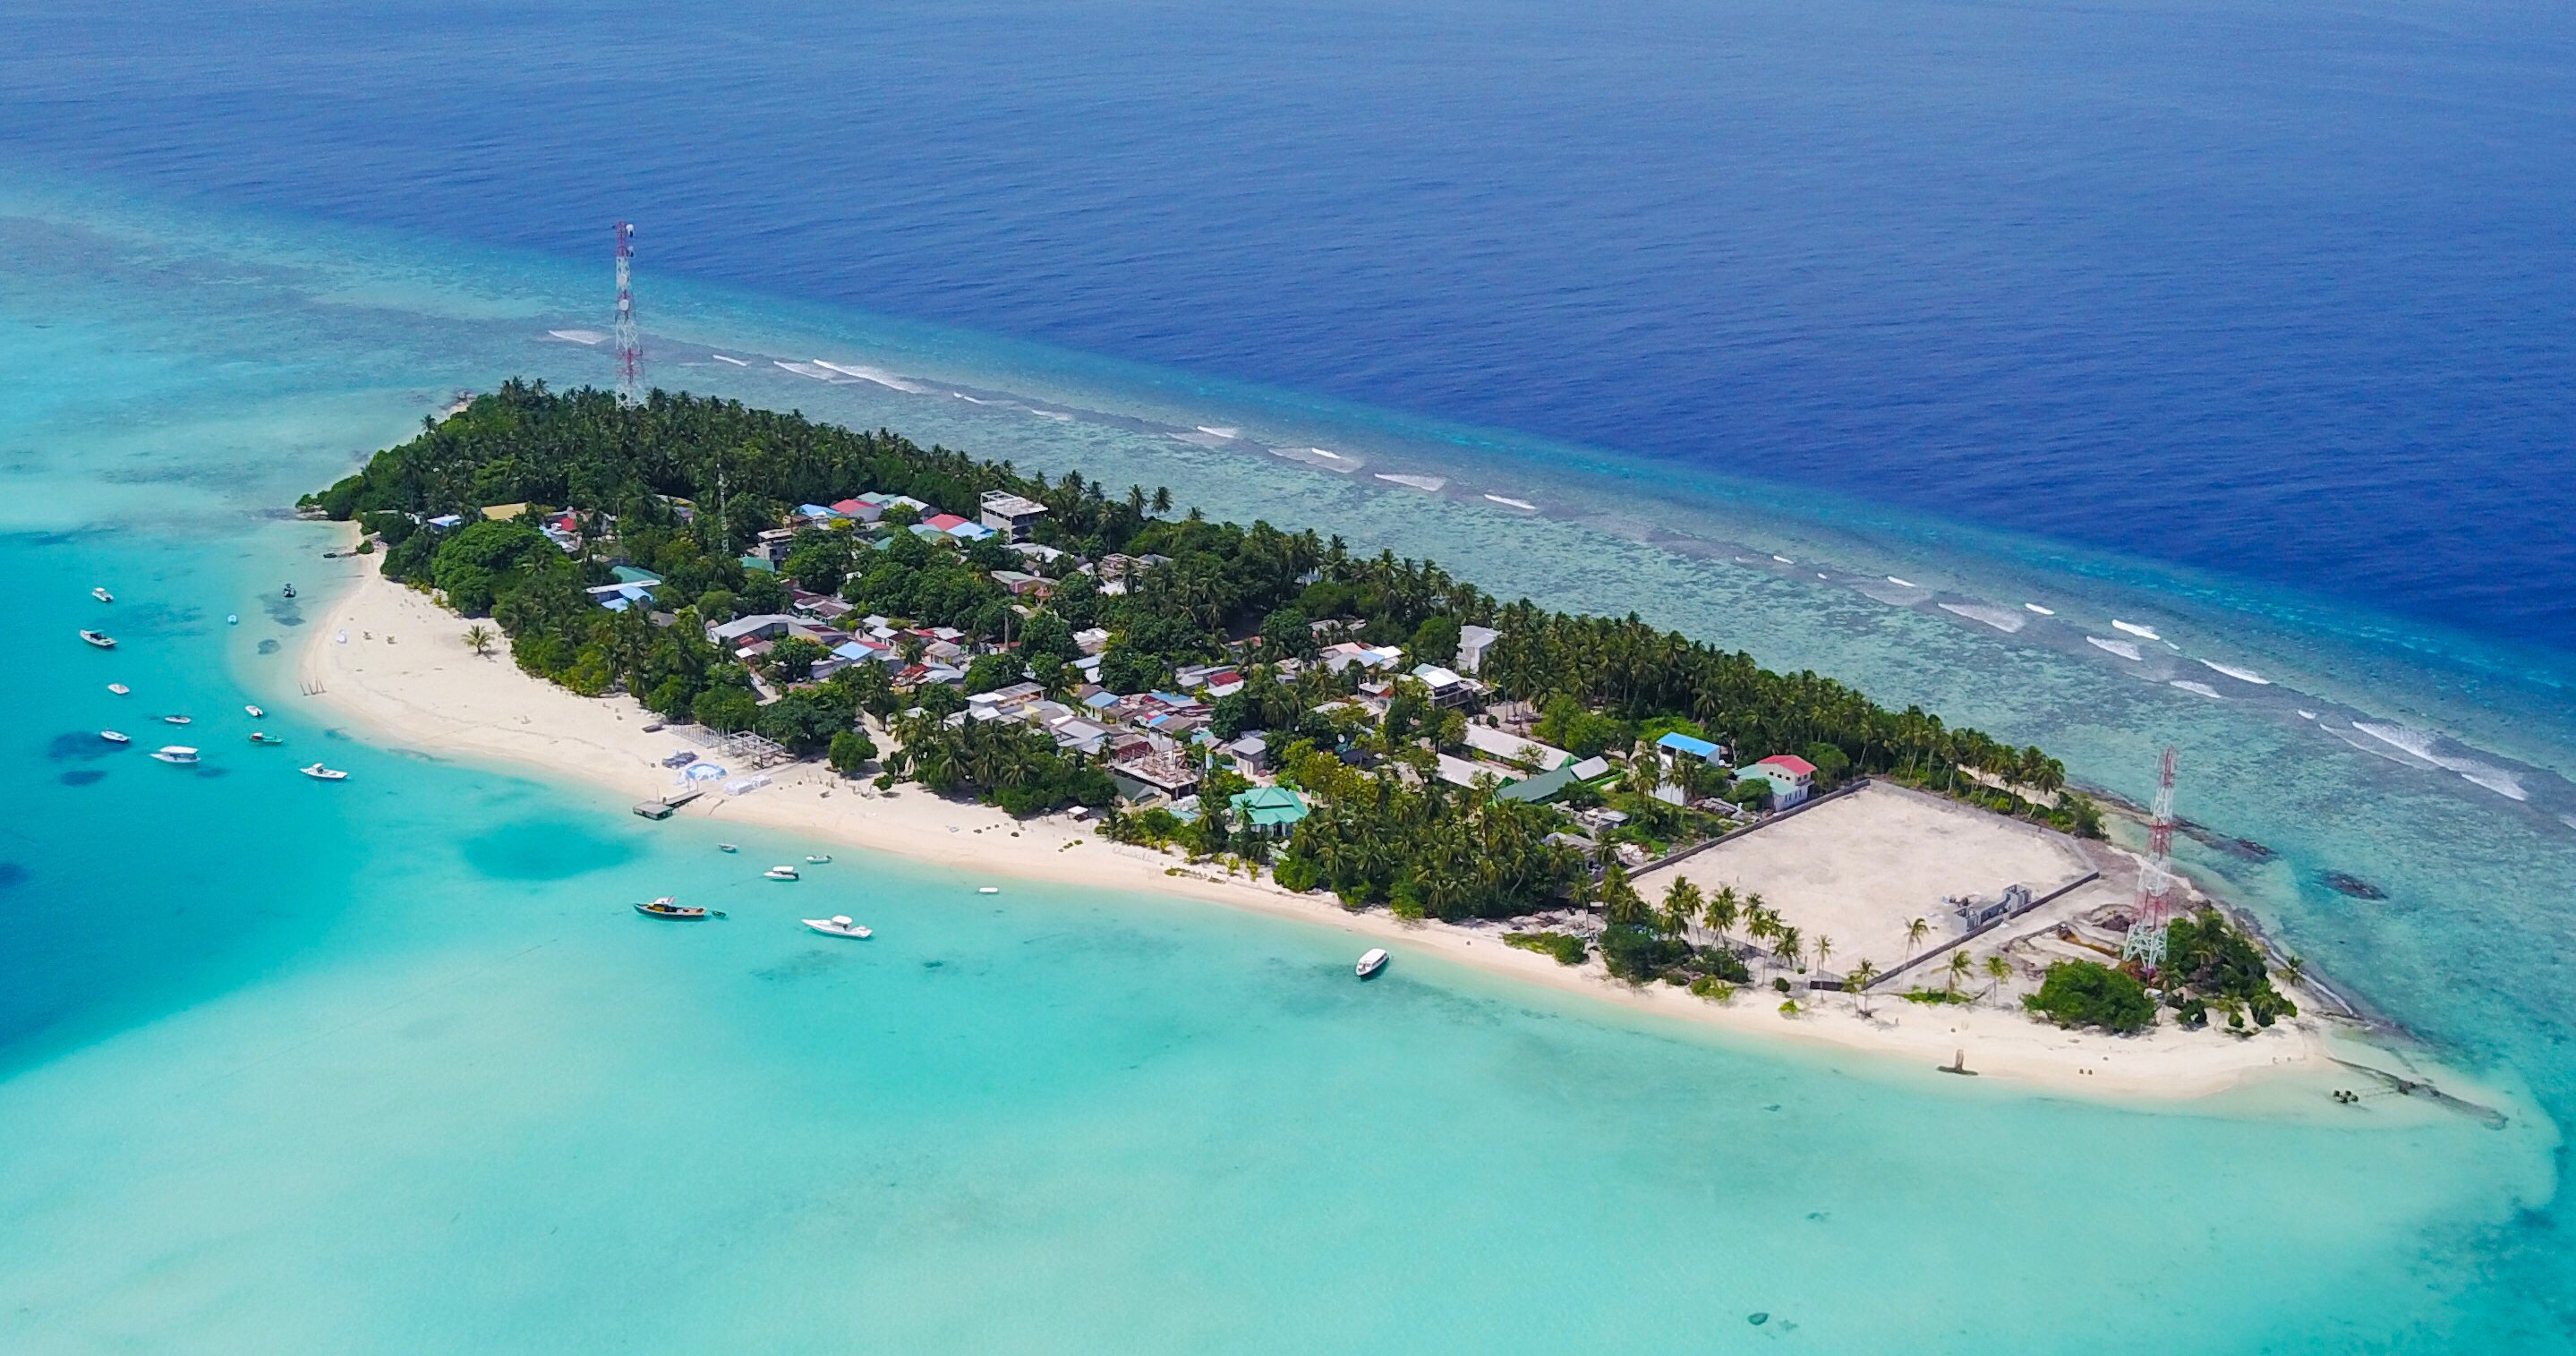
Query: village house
1010	514
1791	778
1504	746
1473	641
1271	811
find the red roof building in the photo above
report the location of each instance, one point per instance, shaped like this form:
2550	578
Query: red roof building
944	521
1792	764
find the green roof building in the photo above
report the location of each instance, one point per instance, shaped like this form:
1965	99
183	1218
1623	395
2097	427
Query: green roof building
1272	811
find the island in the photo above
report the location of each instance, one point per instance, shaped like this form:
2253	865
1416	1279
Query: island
755	615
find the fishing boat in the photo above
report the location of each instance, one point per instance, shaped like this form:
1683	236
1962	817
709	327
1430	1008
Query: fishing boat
120	689
320	773
1372	961
818	859
101	639
176	720
838	925
180	754
264	737
102	595
113	737
727	847
254	712
666	907
781	873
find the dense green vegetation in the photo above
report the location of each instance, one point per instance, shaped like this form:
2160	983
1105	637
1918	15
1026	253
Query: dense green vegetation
2211	966
2088	993
1567	948
680	486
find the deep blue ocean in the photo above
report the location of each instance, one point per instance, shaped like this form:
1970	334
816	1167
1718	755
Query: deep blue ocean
2105	375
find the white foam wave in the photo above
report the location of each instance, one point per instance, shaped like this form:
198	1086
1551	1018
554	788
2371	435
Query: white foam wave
1784	560
2307	715
579	336
723	359
2043	611
2188	685
1903	583
1052	414
2148	632
1220	432
2001	619
878	375
804	369
2121	648
961	395
2240	675
1509	502
2423	746
1417	482
1322	452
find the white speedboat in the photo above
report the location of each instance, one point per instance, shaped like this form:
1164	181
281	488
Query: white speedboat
101	639
781	873
1372	962
176	720
113	737
320	773
727	847
119	689
818	858
253	712
988	889
102	595
838	925
176	753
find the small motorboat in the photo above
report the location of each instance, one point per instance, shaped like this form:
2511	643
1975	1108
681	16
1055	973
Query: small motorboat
177	720
102	595
254	712
290	590
180	754
264	737
727	847
666	907
232	619
101	639
320	773
988	889
818	860
120	689
781	873
838	925
113	737
1372	961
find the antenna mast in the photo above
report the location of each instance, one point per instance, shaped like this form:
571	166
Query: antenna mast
2146	940
630	348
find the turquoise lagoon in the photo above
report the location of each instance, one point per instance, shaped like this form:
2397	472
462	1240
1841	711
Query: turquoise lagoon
387	1065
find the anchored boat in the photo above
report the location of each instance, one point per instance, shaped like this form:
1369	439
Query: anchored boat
781	873
666	907
113	737
264	737
101	639
838	925
1372	961
254	712
102	595
180	754
119	689
320	773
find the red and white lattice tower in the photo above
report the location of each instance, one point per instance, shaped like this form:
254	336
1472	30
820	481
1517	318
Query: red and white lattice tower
2146	942
630	347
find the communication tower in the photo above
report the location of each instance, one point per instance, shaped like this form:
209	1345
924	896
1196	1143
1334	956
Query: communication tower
630	348
2146	940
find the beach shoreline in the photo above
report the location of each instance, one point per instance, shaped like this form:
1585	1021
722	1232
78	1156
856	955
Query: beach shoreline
388	661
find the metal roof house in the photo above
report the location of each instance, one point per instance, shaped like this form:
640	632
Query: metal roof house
1271	811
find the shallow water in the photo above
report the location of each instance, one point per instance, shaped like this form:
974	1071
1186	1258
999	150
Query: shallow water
295	1066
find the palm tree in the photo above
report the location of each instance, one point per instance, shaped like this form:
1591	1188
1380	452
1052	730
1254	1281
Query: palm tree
1824	948
1862	976
1997	969
1681	905
1789	946
1959	967
1722	912
478	638
1915	932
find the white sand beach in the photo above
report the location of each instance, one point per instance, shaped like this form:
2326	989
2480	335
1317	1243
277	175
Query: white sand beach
392	663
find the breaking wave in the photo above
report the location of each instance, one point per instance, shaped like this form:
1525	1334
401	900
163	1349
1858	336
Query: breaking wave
2121	648
2240	675
2002	619
1417	482
2147	632
2190	685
